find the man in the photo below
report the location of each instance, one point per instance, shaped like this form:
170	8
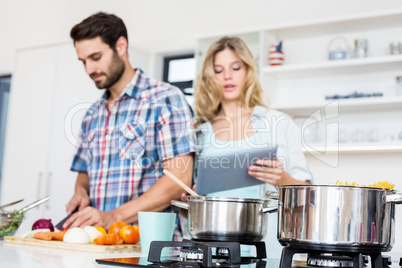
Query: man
138	128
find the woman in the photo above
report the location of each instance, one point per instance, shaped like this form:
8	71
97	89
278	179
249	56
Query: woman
231	115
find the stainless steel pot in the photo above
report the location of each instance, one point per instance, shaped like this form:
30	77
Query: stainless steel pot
337	217
226	219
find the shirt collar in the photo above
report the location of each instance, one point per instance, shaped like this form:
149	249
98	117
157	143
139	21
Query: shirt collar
133	88
259	111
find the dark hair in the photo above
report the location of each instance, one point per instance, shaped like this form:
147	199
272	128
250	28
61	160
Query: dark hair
108	26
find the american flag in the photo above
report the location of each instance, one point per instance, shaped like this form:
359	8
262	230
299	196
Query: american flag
276	54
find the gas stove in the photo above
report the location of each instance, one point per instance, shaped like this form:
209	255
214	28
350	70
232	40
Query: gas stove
337	257
212	254
197	254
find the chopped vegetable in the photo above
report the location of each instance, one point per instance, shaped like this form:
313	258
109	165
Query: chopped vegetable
92	232
43	236
30	234
57	235
76	235
108	239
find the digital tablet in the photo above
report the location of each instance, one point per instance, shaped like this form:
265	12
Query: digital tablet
229	170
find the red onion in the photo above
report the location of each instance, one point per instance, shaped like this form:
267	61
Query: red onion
43	224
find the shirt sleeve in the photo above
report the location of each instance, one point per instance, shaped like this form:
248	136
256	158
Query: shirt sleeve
81	157
176	133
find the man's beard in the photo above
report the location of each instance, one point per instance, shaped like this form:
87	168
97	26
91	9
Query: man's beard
115	71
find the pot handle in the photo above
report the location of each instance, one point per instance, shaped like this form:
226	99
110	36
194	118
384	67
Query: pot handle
270	210
393	198
180	204
272	195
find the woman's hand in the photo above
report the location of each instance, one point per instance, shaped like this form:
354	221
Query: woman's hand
270	171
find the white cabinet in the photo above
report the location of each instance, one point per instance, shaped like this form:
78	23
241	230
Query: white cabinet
50	93
47	83
300	86
28	125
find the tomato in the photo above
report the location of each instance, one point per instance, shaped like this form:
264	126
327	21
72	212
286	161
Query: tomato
101	229
115	227
130	234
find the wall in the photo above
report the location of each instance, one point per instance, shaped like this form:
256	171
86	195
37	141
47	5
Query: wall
159	25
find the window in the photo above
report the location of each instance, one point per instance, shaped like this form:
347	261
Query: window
4	95
180	72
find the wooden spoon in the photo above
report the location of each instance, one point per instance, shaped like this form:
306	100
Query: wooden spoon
180	183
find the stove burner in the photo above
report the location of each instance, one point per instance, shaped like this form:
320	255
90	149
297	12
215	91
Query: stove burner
191	255
349	259
222	252
200	254
330	261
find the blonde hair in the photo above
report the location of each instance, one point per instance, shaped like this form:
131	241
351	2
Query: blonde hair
208	93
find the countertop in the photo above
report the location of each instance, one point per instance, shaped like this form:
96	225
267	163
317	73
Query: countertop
22	256
18	256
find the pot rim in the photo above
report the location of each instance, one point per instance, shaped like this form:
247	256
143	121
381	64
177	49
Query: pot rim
336	186
228	199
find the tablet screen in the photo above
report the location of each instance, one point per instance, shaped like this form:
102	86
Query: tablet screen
229	170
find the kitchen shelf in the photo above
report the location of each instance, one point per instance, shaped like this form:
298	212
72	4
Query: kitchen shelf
358	149
300	85
347	105
349	66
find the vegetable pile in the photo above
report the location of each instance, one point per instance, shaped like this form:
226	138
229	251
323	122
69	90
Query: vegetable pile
118	234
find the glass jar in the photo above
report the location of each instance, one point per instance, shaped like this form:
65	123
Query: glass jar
361	48
395	47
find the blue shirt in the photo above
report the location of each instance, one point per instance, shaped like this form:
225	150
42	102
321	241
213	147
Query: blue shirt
122	147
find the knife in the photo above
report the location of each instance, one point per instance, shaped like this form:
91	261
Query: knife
59	226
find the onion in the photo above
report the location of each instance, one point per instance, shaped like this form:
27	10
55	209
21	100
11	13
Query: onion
30	234
43	224
76	235
92	232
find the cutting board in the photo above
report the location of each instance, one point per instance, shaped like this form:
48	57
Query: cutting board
76	247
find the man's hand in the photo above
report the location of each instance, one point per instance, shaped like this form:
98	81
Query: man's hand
90	216
80	200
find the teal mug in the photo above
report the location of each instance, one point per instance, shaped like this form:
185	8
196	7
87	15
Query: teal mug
155	226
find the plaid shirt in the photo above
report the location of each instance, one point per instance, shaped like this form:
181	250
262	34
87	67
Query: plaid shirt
122	147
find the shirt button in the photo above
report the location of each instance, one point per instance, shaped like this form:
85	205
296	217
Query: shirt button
104	161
